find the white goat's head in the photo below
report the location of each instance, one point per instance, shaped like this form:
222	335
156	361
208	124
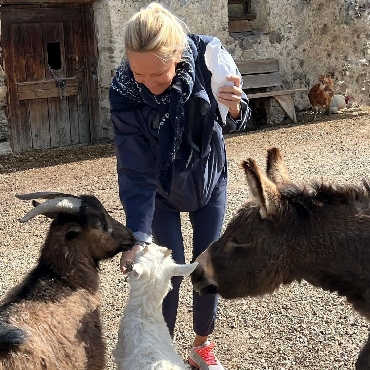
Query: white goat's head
153	269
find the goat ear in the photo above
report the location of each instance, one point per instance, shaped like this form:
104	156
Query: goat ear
137	270
184	270
275	167
262	188
73	231
167	253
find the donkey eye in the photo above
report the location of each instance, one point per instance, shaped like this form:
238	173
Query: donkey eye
236	243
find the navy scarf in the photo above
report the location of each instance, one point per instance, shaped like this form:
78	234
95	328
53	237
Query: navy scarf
170	105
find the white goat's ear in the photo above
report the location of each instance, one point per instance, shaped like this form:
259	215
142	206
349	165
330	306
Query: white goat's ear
184	270
137	270
263	189
167	253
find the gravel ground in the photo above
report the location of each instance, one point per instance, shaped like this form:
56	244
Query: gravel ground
297	327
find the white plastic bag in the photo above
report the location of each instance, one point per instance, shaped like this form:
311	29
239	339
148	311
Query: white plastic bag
221	64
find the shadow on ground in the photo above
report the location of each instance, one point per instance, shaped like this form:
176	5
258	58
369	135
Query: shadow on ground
51	157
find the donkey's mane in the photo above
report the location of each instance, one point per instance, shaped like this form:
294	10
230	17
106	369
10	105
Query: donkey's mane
317	193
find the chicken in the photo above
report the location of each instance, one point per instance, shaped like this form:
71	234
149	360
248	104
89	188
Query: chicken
321	94
338	102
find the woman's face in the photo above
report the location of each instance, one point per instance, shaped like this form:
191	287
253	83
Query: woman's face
152	71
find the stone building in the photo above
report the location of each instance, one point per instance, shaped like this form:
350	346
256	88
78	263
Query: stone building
58	57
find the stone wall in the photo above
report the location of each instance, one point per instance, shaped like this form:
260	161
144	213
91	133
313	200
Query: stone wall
312	37
308	37
201	16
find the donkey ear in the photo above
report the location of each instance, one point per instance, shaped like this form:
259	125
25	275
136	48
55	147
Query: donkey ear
184	270
263	189
275	167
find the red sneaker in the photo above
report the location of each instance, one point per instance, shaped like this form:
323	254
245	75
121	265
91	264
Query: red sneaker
204	358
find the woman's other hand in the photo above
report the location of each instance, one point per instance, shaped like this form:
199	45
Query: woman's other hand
230	95
127	258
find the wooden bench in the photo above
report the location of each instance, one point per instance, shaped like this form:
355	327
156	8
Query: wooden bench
262	82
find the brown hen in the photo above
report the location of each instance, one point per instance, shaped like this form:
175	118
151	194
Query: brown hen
320	95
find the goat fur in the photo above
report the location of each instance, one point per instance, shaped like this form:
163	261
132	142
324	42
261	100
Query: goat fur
144	341
51	320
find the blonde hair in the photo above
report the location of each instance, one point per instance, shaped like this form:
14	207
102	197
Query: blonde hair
155	28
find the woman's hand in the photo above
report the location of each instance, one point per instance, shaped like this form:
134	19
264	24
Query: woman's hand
127	258
230	95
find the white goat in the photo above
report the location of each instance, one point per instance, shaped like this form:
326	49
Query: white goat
144	341
51	320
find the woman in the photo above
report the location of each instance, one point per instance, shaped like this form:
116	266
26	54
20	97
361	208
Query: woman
170	150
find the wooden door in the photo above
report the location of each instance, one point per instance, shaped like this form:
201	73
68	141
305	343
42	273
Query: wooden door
47	73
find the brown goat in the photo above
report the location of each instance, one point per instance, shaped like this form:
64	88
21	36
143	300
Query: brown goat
319	233
51	320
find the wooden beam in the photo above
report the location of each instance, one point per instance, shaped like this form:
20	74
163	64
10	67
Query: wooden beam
261	80
240	26
253	66
247	17
274	93
287	105
47	15
46	89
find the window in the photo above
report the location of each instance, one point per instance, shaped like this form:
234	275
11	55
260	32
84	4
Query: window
54	55
239	12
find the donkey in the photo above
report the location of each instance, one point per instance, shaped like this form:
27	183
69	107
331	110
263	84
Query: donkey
285	233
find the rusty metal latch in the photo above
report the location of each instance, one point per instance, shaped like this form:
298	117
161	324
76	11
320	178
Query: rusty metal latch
61	83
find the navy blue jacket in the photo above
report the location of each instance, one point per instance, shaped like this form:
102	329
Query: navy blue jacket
199	161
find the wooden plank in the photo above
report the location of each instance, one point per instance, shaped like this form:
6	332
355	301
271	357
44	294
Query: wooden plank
261	80
97	131
240	26
255	66
72	65
287	105
46	89
247	17
275	93
9	69
22	137
38	121
39	124
60	134
82	107
35	15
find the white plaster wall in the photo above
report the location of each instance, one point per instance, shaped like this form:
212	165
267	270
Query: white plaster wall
201	16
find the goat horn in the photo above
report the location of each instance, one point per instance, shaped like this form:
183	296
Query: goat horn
43	195
57	205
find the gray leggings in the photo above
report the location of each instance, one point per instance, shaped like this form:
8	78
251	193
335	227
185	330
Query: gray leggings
207	225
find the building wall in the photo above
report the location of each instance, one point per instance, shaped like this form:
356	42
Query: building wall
313	37
308	37
201	16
